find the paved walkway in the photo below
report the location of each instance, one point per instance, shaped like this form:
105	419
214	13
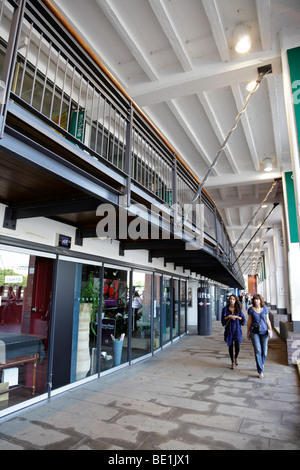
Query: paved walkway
184	398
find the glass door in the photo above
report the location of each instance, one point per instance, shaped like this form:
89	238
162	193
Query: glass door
141	314
157	311
166	310
114	338
182	307
176	313
85	321
25	319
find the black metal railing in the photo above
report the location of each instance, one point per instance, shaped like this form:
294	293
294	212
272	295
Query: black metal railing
51	76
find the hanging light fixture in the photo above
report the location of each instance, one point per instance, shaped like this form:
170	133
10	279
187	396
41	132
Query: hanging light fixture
268	166
242	39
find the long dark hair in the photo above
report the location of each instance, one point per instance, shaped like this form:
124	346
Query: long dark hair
237	305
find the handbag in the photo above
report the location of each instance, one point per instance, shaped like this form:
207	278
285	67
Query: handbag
256	329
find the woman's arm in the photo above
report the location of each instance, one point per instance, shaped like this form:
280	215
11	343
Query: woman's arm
249	326
225	315
242	318
269	325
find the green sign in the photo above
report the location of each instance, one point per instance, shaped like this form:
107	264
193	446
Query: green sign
294	64
77	123
291	207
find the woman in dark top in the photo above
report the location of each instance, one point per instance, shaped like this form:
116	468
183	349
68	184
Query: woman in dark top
259	330
233	319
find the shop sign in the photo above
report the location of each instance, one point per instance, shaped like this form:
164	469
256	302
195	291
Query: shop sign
64	241
294	65
290	191
108	330
77	125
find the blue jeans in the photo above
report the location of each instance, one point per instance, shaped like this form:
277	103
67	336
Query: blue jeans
260	344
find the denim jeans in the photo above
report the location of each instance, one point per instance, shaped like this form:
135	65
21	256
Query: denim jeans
260	344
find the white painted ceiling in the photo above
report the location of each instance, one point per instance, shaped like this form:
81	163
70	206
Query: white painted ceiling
176	59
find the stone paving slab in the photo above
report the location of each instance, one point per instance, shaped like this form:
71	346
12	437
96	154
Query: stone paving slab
184	398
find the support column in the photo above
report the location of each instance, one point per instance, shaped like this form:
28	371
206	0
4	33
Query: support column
266	281
290	56
280	275
272	276
204	309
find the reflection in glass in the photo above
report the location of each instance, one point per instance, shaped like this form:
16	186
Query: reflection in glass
114	339
182	306
25	312
166	318
86	305
175	308
157	310
141	333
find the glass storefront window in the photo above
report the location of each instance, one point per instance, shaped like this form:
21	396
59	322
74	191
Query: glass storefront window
141	314
182	306
114	340
166	311
26	310
175	308
25	314
157	311
86	305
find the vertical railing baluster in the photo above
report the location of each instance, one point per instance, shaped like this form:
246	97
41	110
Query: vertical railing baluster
63	92
10	60
174	181
46	76
128	153
36	68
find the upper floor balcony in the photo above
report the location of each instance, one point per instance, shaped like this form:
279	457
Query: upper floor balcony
72	139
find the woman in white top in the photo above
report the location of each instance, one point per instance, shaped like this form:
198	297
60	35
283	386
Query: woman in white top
136	306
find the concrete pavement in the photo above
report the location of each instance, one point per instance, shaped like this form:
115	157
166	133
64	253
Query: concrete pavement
184	398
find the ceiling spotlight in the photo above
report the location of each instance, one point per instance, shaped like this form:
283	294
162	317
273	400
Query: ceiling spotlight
268	164
242	39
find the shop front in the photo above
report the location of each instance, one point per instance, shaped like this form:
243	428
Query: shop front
25	318
65	320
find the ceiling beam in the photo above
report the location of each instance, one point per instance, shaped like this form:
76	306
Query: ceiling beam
172	32
264	16
236	91
184	122
216	126
129	33
249	177
217	27
207	77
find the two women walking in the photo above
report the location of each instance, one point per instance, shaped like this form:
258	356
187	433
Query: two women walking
259	329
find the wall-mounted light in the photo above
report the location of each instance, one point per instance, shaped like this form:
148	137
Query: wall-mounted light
250	86
268	166
242	39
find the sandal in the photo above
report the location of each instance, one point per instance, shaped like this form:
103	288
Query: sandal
232	366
